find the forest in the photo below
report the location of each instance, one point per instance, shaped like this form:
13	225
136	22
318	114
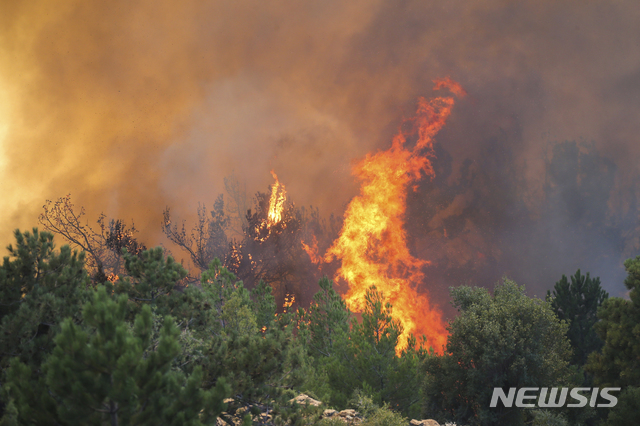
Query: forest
466	221
97	329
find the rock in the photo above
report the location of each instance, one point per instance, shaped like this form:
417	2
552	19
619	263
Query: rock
348	412
265	417
428	422
306	399
329	413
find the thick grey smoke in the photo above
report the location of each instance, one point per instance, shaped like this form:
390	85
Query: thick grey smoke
134	106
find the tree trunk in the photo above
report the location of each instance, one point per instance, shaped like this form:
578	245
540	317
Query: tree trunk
114	413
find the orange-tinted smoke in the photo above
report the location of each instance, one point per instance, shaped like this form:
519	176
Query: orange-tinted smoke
372	245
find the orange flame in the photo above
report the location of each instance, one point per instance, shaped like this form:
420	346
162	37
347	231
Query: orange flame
276	202
276	209
289	300
312	251
372	244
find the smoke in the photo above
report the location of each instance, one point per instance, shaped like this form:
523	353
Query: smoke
134	106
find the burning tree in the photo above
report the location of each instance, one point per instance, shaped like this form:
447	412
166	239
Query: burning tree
372	246
279	243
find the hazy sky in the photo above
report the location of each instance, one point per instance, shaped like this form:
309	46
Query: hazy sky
131	106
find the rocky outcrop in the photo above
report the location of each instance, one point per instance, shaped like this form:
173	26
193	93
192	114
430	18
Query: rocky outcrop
428	422
306	399
350	417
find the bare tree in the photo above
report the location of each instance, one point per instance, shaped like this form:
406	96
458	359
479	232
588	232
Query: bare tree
206	240
237	206
103	246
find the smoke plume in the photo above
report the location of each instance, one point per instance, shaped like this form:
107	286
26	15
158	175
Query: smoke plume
135	106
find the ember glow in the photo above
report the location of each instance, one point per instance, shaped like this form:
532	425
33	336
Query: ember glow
372	245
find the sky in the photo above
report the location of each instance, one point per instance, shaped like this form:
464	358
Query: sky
134	106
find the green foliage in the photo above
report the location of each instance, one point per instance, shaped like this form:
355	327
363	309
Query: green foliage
264	305
261	363
547	418
627	409
10	417
157	281
366	359
38	287
508	340
150	349
577	303
385	417
321	327
363	403
618	362
326	320
375	415
152	279
109	371
331	421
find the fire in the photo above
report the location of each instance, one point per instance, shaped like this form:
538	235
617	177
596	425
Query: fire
289	300
312	251
276	202
275	211
372	244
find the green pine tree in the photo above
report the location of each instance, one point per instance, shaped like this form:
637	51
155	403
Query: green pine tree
253	349
366	359
156	281
109	371
325	321
617	364
577	303
38	288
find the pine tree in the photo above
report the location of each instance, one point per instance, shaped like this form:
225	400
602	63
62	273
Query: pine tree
254	350
326	319
577	303
618	362
38	288
109	371
366	359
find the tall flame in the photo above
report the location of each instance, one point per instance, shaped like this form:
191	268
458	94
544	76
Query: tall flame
276	202
372	244
275	211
